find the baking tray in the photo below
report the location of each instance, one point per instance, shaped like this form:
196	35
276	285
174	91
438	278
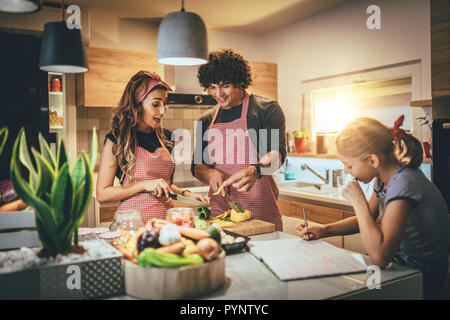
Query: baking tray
235	247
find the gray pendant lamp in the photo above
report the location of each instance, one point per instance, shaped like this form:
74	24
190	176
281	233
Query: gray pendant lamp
20	6
182	39
62	49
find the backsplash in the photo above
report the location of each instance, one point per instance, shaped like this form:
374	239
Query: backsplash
320	166
100	117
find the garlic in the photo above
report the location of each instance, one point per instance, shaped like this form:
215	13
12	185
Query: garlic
169	234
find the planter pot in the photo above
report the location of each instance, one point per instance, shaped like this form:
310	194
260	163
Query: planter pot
301	145
18	229
174	283
89	278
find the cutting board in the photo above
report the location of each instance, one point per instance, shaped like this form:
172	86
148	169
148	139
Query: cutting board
251	227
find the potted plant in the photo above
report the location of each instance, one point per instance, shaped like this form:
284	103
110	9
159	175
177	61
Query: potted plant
59	197
426	144
301	140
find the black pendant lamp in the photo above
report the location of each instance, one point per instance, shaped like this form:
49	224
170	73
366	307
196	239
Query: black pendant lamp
20	6
62	48
182	39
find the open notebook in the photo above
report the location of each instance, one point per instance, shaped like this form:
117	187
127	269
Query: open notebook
296	258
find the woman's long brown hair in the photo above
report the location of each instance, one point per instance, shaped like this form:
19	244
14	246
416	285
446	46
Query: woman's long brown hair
124	125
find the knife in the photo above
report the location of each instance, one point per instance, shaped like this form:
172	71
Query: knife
231	203
188	200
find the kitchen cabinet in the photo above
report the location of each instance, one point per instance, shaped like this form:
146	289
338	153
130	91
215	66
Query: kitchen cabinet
440	47
109	72
265	81
315	213
292	214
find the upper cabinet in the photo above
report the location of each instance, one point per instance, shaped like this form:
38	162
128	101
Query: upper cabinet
265	82
440	47
109	72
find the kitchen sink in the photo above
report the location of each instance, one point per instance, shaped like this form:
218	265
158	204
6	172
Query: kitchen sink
295	184
308	187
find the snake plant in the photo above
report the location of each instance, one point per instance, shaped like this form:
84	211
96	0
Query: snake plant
3	137
58	196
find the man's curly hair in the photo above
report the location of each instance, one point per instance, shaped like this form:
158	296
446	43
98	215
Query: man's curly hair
225	66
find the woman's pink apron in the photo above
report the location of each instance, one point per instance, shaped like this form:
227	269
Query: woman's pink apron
261	200
150	166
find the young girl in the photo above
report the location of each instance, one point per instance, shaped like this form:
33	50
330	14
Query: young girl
138	151
415	228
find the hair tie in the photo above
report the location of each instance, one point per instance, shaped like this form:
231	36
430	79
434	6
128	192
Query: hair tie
147	85
397	132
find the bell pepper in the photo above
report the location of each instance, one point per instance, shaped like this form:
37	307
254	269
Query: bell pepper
203	213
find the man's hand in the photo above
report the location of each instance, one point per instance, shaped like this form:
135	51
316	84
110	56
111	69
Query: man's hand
216	179
243	180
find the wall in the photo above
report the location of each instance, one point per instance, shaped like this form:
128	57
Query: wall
337	41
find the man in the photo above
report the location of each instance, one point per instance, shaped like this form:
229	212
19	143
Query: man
242	141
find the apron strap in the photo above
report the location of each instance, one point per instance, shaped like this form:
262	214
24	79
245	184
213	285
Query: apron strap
245	101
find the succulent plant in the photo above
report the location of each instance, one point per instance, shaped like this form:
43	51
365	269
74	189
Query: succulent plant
3	137
59	196
300	134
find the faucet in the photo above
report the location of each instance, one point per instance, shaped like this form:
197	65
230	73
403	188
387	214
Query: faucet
325	180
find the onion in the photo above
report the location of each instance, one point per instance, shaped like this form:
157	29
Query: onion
208	248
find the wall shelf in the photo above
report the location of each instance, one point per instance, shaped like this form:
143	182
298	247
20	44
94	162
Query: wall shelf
421	103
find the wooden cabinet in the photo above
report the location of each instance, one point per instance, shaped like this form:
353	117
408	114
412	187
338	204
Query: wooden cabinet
109	72
315	213
265	81
440	47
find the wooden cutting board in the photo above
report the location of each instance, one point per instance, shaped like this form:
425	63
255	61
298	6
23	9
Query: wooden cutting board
251	227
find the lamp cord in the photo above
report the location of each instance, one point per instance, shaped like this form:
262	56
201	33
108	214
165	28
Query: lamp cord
182	5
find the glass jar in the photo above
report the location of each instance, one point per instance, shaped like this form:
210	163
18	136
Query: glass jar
127	220
181	216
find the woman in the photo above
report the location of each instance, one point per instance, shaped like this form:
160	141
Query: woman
137	151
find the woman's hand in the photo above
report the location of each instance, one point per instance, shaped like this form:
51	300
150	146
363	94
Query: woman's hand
158	187
311	232
197	196
353	193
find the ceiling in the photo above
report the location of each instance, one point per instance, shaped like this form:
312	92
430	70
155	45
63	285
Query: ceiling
241	16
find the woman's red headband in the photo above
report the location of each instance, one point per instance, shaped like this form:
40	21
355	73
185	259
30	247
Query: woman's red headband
147	85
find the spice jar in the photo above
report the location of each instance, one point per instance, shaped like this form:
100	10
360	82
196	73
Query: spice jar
127	220
56	84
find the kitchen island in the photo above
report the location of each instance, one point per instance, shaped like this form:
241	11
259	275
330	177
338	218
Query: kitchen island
250	279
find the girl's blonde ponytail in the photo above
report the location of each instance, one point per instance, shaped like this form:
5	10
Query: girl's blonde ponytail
364	136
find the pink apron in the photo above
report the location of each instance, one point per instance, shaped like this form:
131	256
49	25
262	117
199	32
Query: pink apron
261	200
150	166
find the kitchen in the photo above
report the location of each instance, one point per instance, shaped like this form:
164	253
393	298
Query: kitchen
297	67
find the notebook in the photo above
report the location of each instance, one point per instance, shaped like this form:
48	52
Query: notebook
292	259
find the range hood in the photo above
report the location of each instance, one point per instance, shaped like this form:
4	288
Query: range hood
188	92
190	100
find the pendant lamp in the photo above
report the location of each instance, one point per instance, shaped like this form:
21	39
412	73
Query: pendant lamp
20	6
182	39
62	48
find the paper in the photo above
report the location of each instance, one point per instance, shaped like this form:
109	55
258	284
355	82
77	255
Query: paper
293	259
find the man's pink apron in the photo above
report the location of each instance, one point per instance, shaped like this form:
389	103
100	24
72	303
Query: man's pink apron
150	166
261	200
